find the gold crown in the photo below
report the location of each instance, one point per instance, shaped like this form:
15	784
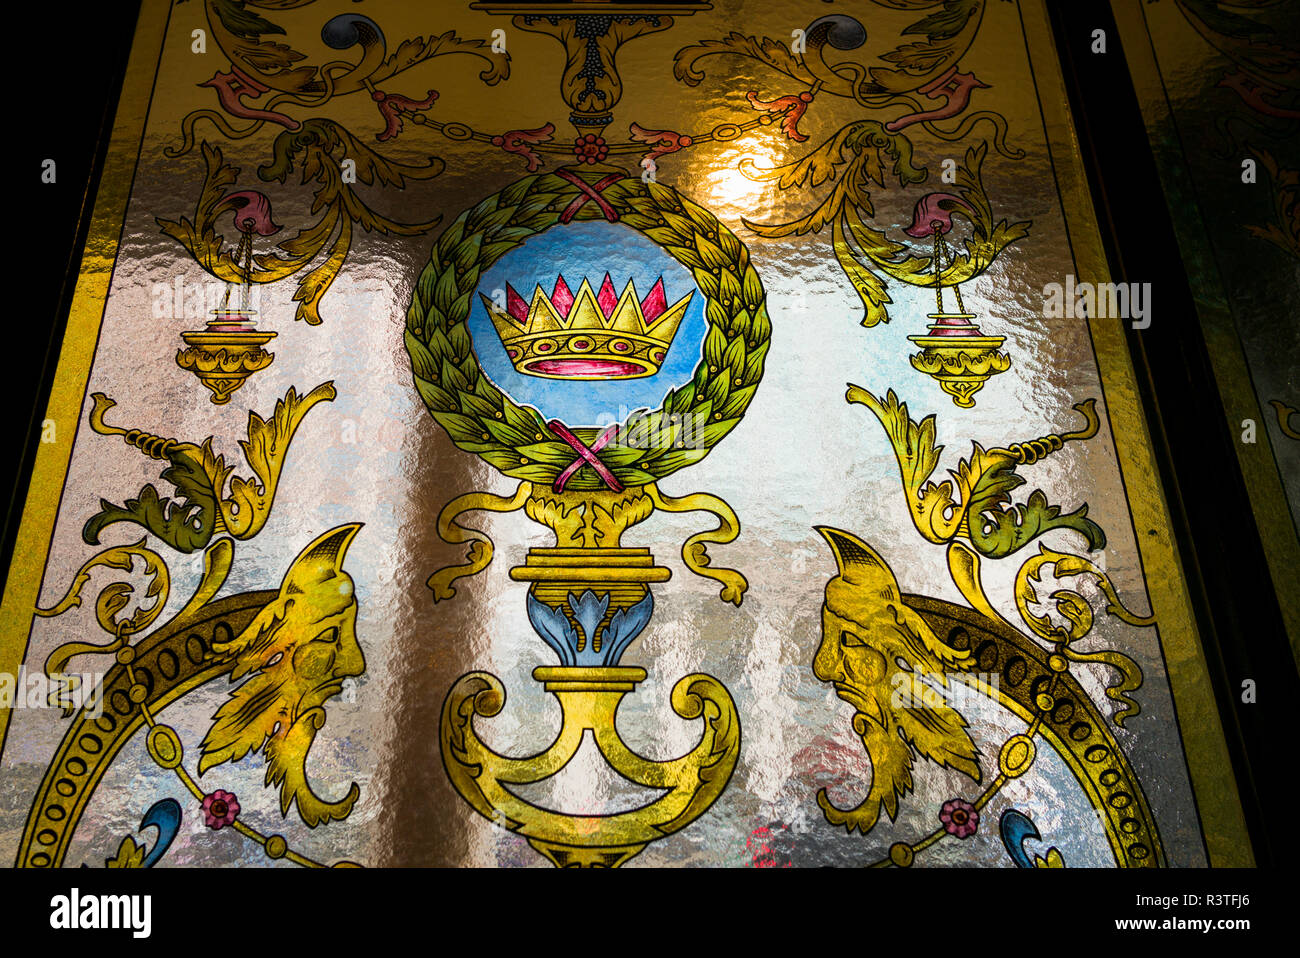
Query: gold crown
588	336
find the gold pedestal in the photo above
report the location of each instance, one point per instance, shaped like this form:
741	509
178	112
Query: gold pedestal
589	698
588	599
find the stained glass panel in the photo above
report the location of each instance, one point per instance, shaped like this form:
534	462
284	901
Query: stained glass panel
650	434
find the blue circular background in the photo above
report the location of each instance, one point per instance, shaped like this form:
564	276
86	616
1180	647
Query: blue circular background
590	250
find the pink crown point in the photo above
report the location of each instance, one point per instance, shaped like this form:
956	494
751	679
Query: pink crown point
654	305
562	297
516	306
607	298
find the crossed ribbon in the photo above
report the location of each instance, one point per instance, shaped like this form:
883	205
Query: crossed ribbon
586	455
591	193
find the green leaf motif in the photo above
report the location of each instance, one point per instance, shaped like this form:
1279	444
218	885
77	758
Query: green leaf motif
999	528
185	523
516	440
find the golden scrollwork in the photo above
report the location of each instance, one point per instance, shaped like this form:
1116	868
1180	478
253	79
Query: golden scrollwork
588	599
1078	612
294	649
480	544
890	655
1284	414
694	550
116	596
964	566
317	149
983	513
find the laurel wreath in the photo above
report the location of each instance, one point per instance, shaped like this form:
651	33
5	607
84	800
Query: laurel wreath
515	439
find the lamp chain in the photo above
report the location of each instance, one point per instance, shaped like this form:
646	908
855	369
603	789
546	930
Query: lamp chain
244	252
940	244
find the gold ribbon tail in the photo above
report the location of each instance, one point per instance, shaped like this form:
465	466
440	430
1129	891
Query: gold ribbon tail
694	551
480	546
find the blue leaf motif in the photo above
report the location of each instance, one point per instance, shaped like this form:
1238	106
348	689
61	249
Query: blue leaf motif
554	628
624	626
589	610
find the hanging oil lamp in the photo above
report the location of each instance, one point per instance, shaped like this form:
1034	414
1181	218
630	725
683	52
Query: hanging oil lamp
955	353
229	348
